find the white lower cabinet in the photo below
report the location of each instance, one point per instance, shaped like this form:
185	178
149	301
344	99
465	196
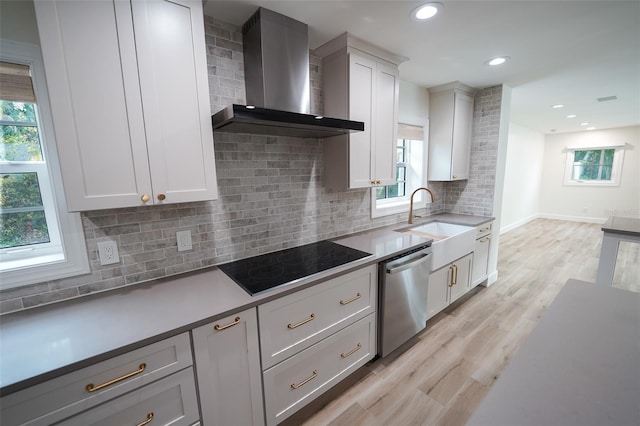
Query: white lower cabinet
65	396
314	338
480	270
228	369
169	401
293	383
448	284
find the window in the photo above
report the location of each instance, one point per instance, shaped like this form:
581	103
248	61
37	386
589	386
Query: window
386	200
594	166
39	240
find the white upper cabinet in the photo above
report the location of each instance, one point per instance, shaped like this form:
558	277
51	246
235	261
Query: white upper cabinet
360	82
451	120
130	101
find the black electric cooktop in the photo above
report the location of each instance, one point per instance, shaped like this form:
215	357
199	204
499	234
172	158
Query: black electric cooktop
260	273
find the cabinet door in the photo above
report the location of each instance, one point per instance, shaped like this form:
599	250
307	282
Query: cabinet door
462	277
228	370
462	123
362	98
89	57
175	96
480	260
384	150
438	295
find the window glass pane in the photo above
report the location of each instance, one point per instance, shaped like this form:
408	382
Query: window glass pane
593	164
393	190
380	193
19	142
22	218
402	189
401	172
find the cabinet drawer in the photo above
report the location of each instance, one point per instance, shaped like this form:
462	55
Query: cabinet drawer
484	230
169	401
67	395
295	382
297	321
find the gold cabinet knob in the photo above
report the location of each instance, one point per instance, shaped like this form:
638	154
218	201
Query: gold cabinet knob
378	182
145	198
161	197
373	182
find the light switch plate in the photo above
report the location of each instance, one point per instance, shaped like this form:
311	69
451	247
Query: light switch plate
184	240
108	252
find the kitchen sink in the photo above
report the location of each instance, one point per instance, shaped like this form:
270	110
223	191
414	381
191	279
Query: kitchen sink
450	242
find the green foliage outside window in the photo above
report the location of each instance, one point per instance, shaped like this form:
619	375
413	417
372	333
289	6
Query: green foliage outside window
593	164
22	216
23	220
18	132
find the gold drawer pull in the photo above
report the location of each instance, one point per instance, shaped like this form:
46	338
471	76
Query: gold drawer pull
91	388
357	348
451	283
346	302
219	327
484	240
305	381
292	326
485	229
146	422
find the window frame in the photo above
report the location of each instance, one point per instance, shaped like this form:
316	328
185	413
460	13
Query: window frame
417	156
616	170
71	256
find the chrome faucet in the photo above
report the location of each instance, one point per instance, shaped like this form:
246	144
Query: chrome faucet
411	202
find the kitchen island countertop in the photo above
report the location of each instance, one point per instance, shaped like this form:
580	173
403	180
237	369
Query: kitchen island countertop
42	343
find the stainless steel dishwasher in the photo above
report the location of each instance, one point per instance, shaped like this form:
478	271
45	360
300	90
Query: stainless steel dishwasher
404	282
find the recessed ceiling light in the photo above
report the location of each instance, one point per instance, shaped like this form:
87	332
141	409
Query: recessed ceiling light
498	60
251	107
426	11
571	116
557	106
319	117
591	128
584	124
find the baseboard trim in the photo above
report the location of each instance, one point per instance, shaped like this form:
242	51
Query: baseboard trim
518	224
572	218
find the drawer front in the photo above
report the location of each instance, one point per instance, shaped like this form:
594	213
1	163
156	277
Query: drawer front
169	401
484	229
295	382
64	396
297	321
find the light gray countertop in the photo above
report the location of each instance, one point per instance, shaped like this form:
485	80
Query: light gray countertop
41	343
579	366
622	225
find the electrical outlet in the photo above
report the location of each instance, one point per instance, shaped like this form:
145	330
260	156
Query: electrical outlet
184	240
108	252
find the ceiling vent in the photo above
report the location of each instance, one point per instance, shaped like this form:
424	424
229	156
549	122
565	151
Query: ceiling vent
607	98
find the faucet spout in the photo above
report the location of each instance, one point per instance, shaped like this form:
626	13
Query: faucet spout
411	201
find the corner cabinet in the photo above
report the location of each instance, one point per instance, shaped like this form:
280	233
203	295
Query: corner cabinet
227	358
450	124
129	97
360	82
448	284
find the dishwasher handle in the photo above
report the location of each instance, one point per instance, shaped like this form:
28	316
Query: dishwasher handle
393	269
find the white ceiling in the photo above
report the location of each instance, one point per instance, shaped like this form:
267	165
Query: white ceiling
562	52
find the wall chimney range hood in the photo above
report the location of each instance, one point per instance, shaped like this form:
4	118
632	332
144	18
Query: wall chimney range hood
276	64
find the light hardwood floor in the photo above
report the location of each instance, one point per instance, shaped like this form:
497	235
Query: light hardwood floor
445	374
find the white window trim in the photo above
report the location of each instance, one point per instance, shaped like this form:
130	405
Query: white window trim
616	170
387	207
74	260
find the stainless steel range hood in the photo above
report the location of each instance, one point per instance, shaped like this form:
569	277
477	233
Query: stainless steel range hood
276	64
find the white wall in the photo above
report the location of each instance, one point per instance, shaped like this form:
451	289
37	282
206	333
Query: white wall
18	21
590	204
413	104
524	165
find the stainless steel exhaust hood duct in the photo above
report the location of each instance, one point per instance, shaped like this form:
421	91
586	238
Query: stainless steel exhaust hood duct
276	67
